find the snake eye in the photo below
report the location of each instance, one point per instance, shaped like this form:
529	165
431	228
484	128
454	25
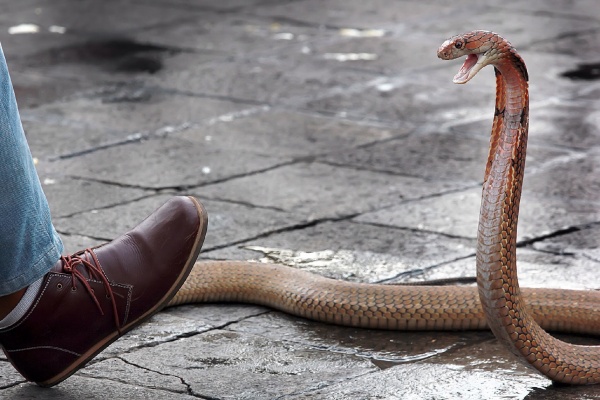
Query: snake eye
458	45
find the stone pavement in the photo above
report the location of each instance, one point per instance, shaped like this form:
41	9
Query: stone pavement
323	134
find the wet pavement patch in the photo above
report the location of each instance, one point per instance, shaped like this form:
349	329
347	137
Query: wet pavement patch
115	54
584	72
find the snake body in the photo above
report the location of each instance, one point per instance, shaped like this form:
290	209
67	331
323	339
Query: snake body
378	306
496	303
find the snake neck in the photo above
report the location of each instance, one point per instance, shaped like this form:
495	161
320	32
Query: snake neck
503	180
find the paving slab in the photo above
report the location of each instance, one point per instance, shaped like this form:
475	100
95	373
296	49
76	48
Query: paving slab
291	134
229	223
85	195
321	190
182	164
549	205
263	368
160	111
267	79
353	251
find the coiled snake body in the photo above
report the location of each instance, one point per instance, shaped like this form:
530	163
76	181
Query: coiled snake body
497	302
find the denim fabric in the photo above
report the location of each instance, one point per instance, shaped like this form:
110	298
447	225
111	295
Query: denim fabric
29	244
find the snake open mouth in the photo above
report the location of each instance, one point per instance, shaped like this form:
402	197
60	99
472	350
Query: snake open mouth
464	74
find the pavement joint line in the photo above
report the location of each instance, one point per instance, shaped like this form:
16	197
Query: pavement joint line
15	383
188	387
413	230
423	270
243	203
589	257
83	374
533	105
111	205
289	228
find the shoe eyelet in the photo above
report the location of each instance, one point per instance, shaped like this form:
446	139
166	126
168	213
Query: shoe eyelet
74	289
59	286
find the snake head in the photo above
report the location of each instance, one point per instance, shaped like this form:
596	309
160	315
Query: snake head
480	47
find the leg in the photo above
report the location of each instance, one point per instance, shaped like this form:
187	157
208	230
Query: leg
75	306
29	245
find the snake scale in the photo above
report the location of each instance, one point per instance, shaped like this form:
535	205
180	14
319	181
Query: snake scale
497	302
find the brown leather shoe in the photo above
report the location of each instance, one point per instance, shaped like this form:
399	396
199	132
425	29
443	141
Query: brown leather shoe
88	300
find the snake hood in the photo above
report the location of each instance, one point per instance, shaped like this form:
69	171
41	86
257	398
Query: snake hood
481	48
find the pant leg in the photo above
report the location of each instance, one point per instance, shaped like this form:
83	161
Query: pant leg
29	244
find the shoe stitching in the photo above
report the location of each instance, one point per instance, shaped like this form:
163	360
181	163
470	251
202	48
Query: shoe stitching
44	348
37	301
129	289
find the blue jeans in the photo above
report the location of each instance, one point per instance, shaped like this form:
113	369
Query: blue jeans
29	244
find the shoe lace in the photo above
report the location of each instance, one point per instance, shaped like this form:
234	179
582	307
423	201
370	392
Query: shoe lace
88	259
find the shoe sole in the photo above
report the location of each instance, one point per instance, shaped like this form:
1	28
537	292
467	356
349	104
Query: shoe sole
107	341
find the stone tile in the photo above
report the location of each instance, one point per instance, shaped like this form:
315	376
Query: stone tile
389	53
216	315
431	381
457	214
434	156
228	223
536	269
583	45
159	111
290	134
33	89
234	35
271	79
117	370
353	251
115	16
72	196
109	223
383	348
572	180
8	374
321	191
51	140
555	7
161	328
357	14
565	124
521	27
404	97
231	5
163	163
79	387
224	364
584	242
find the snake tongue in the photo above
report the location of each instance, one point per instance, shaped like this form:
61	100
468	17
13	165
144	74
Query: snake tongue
463	74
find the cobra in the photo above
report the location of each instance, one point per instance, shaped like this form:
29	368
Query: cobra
497	302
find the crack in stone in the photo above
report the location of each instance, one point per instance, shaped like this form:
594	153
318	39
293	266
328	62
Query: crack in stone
107	206
285	229
11	385
182	188
188	388
244	203
421	271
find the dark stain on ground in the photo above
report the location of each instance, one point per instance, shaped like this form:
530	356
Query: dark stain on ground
119	55
584	72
